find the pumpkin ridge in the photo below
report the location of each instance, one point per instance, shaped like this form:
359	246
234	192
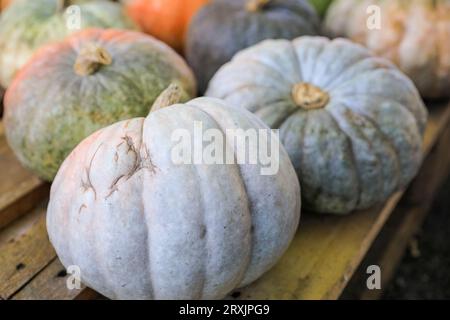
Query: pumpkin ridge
352	156
383	136
341	80
249	204
146	219
360	135
267	66
266	107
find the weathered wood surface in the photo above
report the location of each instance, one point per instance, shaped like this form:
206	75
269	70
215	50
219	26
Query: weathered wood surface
20	190
318	265
387	251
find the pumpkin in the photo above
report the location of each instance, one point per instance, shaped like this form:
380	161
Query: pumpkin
141	226
223	27
414	34
166	20
321	6
352	123
88	81
4	4
2	92
27	25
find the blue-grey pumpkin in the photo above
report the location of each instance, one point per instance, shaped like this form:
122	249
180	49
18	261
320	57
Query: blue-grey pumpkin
224	27
352	123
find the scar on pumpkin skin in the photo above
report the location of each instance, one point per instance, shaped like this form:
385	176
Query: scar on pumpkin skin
113	188
83	206
139	163
86	185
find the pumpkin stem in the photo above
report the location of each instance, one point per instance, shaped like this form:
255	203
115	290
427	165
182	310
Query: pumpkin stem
256	5
308	96
170	96
61	5
90	59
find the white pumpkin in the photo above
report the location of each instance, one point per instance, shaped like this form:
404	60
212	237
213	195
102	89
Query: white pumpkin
141	227
352	123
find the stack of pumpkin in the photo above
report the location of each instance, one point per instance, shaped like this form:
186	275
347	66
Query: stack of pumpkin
140	226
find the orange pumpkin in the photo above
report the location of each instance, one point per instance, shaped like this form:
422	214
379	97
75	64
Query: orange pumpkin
4	4
166	20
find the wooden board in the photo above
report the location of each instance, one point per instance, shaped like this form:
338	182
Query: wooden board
20	190
406	221
318	265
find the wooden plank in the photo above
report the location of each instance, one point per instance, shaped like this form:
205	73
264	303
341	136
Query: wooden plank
20	190
322	258
392	242
49	284
23	256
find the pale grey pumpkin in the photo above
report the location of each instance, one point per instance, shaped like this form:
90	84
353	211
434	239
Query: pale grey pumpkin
26	25
414	34
140	226
74	87
351	122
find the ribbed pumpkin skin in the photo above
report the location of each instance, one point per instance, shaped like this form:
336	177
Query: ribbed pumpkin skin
49	108
27	25
414	34
357	150
166	20
224	27
141	227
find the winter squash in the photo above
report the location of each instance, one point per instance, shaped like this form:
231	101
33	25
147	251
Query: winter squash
166	20
72	88
141	226
4	4
351	122
222	28
2	92
321	6
414	34
27	25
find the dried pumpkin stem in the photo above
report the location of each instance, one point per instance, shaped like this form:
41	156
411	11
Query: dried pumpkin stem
90	59
62	5
308	96
170	96
256	5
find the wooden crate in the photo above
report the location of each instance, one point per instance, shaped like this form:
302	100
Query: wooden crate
323	258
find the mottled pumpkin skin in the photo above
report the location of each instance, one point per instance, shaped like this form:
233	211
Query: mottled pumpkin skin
414	34
27	25
166	20
141	227
49	108
224	27
362	146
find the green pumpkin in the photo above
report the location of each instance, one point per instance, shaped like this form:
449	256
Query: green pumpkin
27	25
224	27
351	123
321	6
92	79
